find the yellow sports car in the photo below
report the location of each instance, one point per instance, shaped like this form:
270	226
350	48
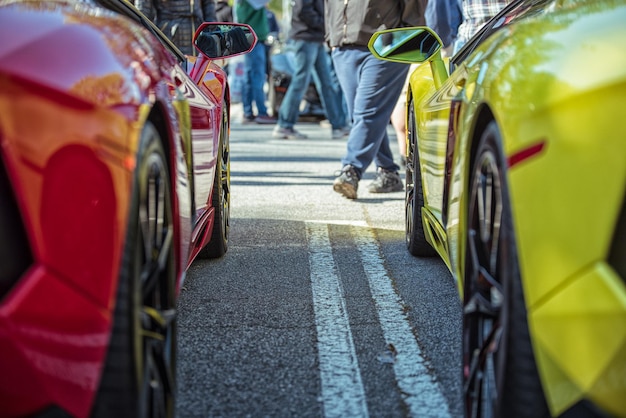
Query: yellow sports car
516	177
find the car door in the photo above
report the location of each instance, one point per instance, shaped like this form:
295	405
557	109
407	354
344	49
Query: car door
436	120
204	94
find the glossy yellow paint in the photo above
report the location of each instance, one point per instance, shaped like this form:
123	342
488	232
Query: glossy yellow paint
555	79
580	340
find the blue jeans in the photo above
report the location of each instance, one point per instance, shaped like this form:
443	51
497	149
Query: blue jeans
254	81
337	87
371	88
311	59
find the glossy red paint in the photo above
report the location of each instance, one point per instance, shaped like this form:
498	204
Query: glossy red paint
77	83
526	153
52	359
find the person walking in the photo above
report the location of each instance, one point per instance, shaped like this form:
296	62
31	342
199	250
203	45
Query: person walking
254	14
371	86
307	40
178	19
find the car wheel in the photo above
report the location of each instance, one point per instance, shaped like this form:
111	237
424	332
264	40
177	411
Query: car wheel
500	375
139	375
414	196
218	245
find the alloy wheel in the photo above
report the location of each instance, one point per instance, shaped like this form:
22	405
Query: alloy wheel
156	337
224	178
484	296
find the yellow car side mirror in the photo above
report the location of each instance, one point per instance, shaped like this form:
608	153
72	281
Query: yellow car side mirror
412	45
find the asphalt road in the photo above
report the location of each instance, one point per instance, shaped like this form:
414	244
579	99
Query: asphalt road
317	309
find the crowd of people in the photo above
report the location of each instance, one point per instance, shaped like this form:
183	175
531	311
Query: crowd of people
311	58
361	95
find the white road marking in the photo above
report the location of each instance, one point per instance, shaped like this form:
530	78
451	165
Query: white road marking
421	392
343	394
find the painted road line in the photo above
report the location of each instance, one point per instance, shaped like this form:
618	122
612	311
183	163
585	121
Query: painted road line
343	394
420	391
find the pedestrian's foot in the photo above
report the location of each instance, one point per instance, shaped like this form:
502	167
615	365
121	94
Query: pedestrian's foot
247	119
341	132
347	182
287	133
265	120
386	181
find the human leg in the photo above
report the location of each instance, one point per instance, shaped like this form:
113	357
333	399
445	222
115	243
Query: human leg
398	120
304	56
346	67
371	95
399	116
330	93
246	90
256	76
347	70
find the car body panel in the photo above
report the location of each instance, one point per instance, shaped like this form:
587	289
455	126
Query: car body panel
77	84
552	74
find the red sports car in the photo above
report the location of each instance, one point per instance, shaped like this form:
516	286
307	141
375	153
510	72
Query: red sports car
114	176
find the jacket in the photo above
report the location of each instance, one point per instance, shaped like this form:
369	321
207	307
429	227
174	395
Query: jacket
254	16
223	11
353	22
307	20
178	19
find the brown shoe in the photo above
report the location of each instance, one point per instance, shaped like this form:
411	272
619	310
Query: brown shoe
347	182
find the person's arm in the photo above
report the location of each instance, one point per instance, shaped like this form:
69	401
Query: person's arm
208	11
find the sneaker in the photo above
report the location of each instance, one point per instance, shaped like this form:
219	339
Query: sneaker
347	182
386	181
287	133
265	120
247	119
341	133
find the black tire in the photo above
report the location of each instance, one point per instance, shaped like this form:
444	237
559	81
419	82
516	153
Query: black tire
499	370
218	245
138	380
414	195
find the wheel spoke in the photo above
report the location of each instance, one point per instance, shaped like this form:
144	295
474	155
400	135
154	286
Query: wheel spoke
157	383
409	212
158	378
480	305
157	315
156	229
409	195
480	376
225	180
156	323
489	209
484	292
